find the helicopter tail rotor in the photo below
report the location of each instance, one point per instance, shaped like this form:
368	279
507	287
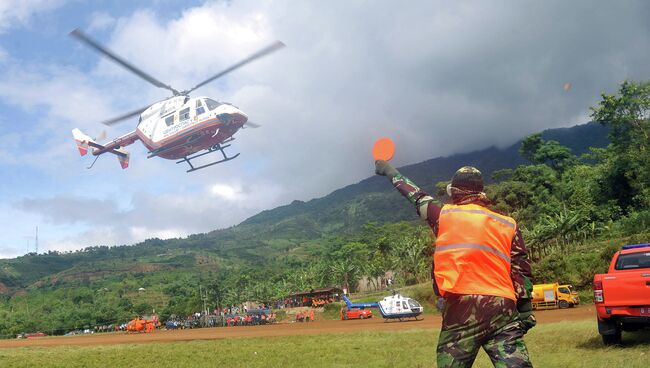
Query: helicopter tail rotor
82	141
123	158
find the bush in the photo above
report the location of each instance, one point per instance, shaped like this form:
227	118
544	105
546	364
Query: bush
332	310
634	223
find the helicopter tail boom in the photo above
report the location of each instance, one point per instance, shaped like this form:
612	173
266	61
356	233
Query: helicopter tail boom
84	142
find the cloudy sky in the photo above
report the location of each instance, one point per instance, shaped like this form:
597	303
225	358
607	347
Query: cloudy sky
439	77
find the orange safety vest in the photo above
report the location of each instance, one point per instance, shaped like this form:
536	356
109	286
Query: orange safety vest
472	251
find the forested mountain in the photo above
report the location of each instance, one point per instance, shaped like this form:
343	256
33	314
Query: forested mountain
280	233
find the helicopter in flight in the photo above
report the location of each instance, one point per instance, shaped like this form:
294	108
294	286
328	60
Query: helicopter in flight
180	127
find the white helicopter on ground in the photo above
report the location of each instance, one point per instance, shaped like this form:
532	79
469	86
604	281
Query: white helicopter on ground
394	306
177	127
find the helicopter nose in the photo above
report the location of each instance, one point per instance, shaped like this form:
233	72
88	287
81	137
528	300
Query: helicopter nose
239	118
233	115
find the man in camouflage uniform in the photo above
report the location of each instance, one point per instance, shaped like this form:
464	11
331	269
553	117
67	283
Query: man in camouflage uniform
472	321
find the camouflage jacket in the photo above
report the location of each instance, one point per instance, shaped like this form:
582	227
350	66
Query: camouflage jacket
429	210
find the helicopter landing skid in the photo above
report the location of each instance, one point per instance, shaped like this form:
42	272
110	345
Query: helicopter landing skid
215	148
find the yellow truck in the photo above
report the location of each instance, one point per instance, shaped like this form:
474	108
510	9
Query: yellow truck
547	296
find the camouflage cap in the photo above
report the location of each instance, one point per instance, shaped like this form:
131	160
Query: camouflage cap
468	178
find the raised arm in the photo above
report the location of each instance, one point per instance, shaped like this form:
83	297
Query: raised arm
426	206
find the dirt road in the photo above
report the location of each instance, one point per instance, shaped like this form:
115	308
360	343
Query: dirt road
280	329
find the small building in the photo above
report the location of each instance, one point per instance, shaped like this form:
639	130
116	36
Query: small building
313	297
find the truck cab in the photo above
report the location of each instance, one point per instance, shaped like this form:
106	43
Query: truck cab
622	295
546	296
567	297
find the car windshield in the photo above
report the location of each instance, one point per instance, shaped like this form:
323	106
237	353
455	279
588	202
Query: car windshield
633	261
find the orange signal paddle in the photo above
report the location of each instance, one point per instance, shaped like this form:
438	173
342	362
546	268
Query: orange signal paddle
384	149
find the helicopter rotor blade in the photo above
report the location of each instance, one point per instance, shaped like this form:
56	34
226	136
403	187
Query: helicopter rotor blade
125	116
250	124
261	53
95	45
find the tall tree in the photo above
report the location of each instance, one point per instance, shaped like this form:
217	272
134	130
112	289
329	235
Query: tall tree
627	158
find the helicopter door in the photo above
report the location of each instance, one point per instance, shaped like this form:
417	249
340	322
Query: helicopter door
404	305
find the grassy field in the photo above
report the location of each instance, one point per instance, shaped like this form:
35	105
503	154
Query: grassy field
567	344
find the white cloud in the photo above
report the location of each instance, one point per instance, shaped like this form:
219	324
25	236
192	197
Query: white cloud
100	21
438	77
148	233
225	191
19	12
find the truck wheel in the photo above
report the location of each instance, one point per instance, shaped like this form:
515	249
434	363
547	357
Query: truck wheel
361	316
610	331
564	304
614	339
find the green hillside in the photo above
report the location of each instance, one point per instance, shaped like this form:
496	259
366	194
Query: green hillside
566	204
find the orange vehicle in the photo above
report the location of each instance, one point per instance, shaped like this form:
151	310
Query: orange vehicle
355	313
622	295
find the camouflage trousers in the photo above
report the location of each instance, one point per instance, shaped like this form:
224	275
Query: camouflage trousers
470	322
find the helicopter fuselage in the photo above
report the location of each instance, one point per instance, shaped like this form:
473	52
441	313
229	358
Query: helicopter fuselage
180	126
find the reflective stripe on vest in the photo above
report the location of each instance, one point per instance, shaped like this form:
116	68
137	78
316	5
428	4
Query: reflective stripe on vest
472	251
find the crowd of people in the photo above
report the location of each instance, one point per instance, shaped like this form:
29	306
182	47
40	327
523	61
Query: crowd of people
226	317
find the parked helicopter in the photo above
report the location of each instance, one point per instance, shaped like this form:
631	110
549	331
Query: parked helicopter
394	306
176	128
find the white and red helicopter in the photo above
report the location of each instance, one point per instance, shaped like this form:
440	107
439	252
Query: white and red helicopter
176	128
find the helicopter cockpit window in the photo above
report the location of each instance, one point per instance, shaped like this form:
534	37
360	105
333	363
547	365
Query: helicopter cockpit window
212	104
184	114
169	120
199	107
413	304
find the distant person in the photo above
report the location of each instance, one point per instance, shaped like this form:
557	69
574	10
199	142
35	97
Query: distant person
481	269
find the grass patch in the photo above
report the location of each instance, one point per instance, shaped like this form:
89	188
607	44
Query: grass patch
566	344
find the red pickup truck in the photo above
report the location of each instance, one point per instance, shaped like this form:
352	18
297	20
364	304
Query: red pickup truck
622	295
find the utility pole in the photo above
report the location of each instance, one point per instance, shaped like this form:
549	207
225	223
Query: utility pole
28	239
35	237
204	319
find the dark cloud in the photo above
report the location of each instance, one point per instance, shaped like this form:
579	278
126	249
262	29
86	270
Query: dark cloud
439	77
